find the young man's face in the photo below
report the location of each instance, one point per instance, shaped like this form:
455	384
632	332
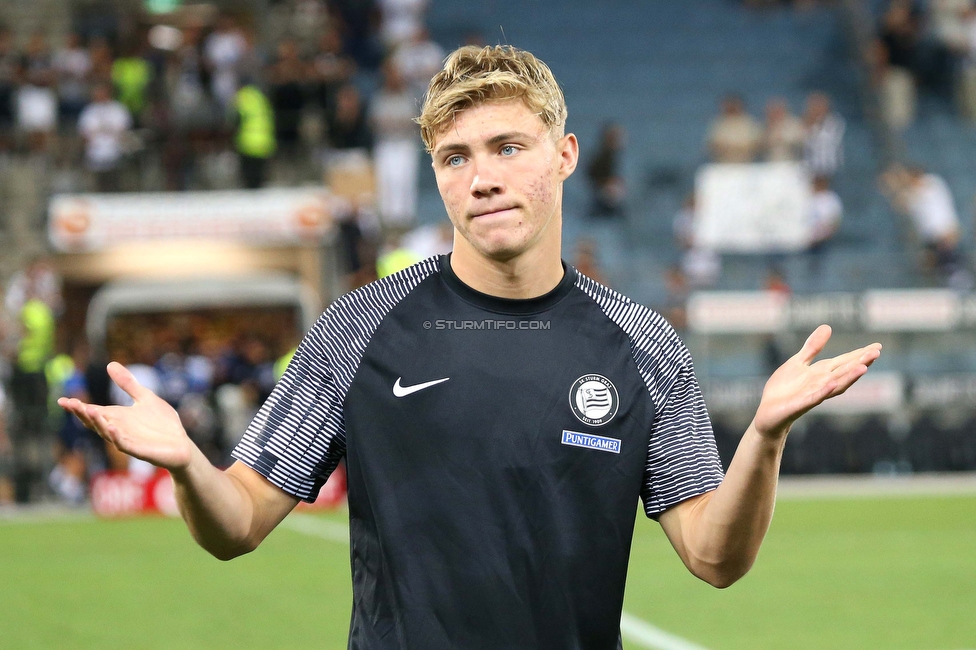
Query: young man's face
500	171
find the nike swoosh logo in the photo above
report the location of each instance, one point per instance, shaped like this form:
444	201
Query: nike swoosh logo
403	391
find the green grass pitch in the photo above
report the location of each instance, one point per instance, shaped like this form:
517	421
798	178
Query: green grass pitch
837	573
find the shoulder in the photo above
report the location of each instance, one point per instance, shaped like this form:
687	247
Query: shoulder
362	309
649	332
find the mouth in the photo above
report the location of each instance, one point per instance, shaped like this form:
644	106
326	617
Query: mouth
494	213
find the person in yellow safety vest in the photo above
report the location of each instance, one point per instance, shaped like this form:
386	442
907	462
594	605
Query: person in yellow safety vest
131	76
255	137
29	395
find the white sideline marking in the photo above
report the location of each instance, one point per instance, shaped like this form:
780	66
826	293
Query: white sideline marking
43	515
648	636
634	629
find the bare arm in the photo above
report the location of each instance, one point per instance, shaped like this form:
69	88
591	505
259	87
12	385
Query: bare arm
228	512
718	534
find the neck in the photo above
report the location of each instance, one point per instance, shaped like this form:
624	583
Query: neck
530	274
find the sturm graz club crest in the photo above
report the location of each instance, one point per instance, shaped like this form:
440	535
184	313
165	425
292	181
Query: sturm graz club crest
594	400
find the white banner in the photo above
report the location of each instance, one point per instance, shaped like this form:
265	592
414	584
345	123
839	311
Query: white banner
91	222
752	208
731	312
911	310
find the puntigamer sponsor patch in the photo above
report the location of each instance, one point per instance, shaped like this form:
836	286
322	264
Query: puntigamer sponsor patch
589	441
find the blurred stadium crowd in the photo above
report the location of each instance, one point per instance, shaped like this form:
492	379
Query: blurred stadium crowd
160	96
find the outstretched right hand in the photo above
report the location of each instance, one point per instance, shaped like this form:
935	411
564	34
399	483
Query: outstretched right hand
150	429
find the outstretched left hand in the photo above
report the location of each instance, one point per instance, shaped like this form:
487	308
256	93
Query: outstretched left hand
800	384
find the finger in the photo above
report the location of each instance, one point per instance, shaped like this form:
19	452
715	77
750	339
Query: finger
869	351
814	344
845	378
77	408
127	381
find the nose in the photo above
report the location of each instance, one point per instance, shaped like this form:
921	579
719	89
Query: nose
486	181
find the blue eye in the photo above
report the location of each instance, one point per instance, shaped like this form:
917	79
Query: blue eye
454	161
509	150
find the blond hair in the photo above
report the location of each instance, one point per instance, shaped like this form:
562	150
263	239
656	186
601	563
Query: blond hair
475	75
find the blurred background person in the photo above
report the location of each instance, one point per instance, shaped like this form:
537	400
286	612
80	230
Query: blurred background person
9	74
286	92
700	266
826	211
783	133
29	394
607	185
255	137
926	198
396	149
104	124
331	68
823	146
72	65
224	52
418	59
734	136
349	127
131	76
37	105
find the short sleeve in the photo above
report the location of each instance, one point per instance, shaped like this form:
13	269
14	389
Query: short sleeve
298	436
682	458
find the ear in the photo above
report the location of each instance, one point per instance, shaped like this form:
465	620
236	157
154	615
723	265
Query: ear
568	149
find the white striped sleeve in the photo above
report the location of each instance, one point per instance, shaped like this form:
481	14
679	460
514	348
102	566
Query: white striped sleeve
682	458
298	436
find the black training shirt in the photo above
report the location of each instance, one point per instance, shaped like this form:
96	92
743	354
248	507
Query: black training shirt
495	451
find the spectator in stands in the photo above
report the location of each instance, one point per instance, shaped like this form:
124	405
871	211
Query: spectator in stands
826	211
100	55
700	265
606	182
349	128
38	278
734	137
287	77
401	20
896	59
37	105
357	20
966	88
255	138
331	69
131	76
926	198
418	59
224	53
9	70
72	64
783	134
900	31
823	150
104	125
396	149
